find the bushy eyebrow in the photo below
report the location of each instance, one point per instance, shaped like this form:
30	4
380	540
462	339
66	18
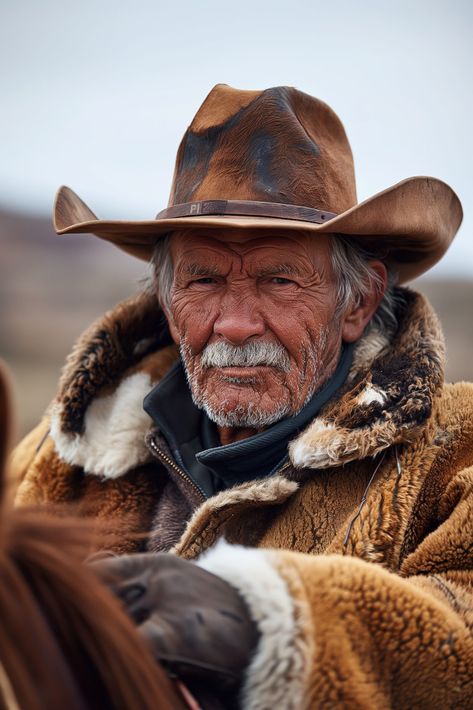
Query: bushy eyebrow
201	270
277	269
195	269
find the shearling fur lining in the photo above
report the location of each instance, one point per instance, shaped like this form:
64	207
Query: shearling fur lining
113	344
387	398
114	431
276	675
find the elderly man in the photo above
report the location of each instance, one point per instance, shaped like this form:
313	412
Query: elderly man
294	413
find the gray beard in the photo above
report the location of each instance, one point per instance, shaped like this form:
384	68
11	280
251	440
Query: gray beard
241	417
226	355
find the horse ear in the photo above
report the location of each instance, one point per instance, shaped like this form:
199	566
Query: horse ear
5	424
69	210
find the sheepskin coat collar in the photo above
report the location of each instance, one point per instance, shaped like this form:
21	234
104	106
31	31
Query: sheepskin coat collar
101	441
387	398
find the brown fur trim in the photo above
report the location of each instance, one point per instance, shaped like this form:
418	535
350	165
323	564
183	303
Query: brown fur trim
123	508
49	480
114	343
381	641
388	402
205	526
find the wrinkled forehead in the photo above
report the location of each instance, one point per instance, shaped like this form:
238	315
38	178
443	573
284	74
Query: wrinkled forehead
227	244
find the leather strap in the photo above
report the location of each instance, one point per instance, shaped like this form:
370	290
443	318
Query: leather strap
246	208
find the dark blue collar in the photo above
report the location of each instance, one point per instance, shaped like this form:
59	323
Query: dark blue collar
194	442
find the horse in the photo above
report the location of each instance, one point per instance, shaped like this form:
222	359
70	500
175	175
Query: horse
65	641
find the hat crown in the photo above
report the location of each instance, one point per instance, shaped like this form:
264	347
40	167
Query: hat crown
277	145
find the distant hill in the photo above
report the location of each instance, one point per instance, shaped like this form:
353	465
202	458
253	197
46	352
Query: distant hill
51	288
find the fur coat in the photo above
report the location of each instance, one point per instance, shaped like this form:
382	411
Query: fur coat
355	558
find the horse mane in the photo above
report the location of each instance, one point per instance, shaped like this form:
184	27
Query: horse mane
65	641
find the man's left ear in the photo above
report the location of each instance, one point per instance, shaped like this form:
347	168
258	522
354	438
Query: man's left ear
357	317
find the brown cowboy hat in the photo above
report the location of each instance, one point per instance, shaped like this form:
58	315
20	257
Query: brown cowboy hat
279	160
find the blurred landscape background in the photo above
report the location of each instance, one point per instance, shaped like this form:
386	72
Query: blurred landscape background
51	288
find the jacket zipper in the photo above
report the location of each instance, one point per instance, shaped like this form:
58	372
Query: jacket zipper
283	468
167	460
172	464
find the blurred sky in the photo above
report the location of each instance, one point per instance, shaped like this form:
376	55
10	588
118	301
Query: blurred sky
96	94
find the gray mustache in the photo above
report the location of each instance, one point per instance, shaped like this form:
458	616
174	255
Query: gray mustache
249	355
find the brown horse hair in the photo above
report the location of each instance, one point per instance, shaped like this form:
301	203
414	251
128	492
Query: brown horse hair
65	641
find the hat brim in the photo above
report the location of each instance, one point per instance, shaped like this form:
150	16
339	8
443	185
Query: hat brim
410	225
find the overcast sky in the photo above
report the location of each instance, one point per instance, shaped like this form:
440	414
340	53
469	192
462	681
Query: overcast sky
96	94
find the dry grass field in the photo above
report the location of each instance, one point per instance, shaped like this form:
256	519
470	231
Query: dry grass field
52	287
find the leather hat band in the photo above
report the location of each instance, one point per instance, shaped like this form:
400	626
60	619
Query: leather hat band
246	208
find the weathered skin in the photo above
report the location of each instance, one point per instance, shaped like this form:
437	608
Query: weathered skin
278	289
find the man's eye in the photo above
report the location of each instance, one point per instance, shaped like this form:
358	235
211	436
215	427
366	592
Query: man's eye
281	281
204	280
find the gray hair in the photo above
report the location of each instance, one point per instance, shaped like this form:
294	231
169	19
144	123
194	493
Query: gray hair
350	262
163	273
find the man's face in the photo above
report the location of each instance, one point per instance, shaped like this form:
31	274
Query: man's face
254	317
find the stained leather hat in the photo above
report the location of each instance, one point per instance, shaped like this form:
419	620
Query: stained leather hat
274	161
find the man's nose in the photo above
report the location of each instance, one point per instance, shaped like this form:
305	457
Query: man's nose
238	322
